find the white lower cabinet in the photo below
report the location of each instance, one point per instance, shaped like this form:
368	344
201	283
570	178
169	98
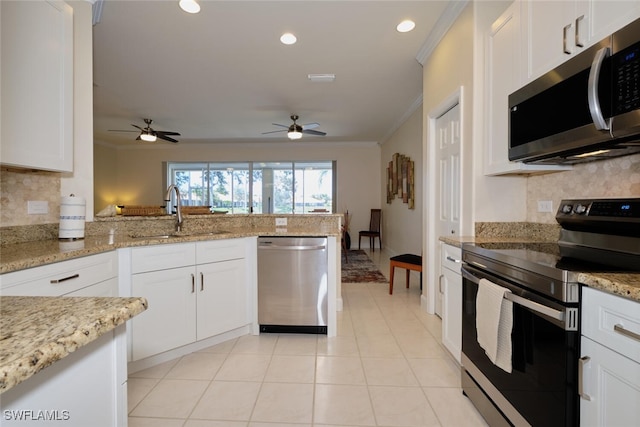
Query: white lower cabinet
187	303
610	360
611	387
93	379
222	300
451	290
170	321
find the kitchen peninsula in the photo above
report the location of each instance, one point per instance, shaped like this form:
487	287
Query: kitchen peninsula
75	345
121	240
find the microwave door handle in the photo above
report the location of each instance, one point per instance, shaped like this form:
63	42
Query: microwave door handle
592	90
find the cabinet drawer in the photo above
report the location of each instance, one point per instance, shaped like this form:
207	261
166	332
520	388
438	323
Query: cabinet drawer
61	278
612	321
219	250
162	257
451	257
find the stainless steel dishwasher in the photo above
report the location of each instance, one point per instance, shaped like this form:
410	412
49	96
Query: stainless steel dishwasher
292	284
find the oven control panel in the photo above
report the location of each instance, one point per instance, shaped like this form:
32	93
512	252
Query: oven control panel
603	216
603	208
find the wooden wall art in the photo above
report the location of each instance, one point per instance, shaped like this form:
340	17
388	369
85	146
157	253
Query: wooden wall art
400	180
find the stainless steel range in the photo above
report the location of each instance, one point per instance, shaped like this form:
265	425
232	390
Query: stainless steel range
540	282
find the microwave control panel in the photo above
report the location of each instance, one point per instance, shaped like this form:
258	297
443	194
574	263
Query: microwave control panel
626	65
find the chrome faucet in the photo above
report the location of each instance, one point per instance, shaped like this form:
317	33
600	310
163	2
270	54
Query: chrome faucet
167	198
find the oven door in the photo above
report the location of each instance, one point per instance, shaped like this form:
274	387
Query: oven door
542	389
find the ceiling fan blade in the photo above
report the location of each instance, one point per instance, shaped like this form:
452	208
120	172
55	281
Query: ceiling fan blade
161	132
310	126
138	138
282	126
313	132
120	130
166	138
274	131
136	126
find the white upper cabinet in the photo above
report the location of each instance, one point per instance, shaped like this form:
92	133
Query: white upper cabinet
37	85
557	30
503	75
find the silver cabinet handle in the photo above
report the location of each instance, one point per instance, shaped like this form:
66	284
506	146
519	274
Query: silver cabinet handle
64	279
581	362
201	281
627	333
578	40
565	46
193	283
452	259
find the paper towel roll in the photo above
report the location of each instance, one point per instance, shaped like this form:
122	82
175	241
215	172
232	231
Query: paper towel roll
72	217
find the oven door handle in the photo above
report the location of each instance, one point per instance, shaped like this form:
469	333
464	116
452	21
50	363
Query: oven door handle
532	305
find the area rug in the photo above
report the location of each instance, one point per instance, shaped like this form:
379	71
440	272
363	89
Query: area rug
360	269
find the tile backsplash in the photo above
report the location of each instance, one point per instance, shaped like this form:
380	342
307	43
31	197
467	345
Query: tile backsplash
19	186
619	177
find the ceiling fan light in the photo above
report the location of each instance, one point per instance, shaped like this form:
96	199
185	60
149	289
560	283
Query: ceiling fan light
294	134
148	137
189	6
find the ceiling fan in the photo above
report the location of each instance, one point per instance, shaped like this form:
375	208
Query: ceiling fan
149	134
295	131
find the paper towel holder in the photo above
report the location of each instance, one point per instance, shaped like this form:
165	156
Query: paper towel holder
73	228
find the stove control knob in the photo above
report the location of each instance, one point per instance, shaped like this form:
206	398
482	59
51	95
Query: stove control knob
566	209
580	209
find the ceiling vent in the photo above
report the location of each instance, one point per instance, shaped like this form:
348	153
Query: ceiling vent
322	78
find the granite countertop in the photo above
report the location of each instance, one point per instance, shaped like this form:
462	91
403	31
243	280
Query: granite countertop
19	256
35	332
626	285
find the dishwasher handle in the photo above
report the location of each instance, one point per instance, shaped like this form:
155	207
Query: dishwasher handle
292	247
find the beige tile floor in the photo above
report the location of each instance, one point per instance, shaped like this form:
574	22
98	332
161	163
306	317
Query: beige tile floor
386	367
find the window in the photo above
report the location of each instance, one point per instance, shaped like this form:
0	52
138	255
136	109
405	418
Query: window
256	187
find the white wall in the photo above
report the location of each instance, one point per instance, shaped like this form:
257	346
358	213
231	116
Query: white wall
139	176
401	226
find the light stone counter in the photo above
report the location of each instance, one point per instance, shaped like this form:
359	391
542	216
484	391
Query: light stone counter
626	285
33	246
35	332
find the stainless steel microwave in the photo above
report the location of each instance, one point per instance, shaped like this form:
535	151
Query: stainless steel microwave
588	108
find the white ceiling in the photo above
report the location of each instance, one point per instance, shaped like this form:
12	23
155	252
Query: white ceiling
223	76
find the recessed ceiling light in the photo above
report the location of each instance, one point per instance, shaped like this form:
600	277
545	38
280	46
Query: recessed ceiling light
190	6
406	26
288	38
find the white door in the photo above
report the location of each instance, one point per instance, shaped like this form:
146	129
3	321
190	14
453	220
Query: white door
448	139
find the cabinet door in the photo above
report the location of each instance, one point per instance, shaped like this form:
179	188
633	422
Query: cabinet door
452	316
170	320
502	78
608	16
223	298
546	24
37	84
612	384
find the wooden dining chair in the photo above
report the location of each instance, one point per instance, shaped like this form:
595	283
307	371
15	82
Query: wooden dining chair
373	231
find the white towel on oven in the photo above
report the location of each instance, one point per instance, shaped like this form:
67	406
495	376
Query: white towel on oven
494	322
